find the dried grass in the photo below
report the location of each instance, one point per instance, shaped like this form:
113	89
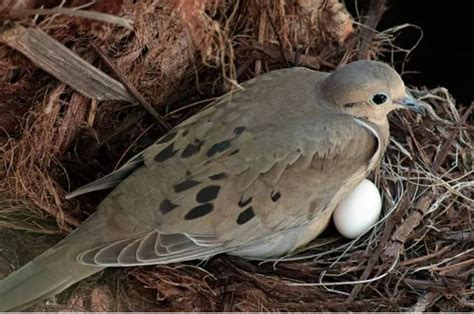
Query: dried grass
418	257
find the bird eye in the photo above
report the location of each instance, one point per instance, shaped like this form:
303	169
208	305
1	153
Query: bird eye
380	98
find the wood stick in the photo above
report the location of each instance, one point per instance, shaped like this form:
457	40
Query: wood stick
64	64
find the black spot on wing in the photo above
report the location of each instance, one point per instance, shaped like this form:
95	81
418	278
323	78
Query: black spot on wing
243	203
218	176
239	130
166	206
192	149
275	196
166	153
185	185
218	148
245	216
168	137
207	194
199	211
185	132
234	152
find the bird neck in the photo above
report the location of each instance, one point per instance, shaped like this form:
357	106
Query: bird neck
384	130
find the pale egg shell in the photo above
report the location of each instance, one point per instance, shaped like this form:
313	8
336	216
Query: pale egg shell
359	211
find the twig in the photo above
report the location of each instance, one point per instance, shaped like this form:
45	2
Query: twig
413	138
344	283
425	301
277	34
404	263
64	64
385	238
448	142
393	249
130	88
367	33
448	270
459	236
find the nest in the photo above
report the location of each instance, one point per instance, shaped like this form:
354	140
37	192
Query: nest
57	134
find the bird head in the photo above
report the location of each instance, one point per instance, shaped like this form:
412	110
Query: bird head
369	90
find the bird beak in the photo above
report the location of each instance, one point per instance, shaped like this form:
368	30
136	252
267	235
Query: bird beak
409	102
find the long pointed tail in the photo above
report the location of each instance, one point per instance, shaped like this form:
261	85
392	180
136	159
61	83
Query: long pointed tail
57	268
45	276
54	270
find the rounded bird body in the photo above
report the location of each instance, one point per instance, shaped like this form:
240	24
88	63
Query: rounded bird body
256	174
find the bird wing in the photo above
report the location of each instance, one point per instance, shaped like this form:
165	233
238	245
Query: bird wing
212	188
254	164
262	99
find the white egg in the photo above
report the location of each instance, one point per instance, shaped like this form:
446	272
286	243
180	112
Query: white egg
359	211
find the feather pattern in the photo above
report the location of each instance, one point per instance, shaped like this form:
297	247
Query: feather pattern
275	176
257	174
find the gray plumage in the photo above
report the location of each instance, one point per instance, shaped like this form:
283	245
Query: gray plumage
257	174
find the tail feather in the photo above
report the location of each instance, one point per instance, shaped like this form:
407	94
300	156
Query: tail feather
57	268
51	272
36	281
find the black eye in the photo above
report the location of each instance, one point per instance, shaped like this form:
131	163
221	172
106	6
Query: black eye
379	98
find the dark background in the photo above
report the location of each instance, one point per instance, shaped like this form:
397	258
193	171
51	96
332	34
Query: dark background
445	54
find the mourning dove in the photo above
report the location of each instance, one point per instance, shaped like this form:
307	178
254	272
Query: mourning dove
256	174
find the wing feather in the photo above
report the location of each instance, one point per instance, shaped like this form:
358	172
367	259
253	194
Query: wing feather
238	172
